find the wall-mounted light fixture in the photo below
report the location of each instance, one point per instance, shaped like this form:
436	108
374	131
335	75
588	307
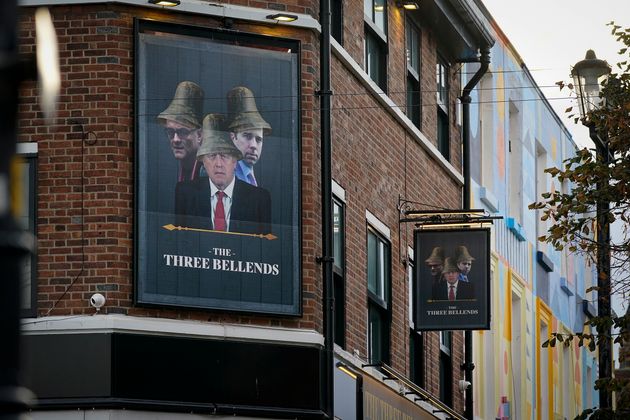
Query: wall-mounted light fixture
407	4
282	17
345	369
165	3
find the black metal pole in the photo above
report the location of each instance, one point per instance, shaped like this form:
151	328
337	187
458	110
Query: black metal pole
468	366
14	242
603	268
327	220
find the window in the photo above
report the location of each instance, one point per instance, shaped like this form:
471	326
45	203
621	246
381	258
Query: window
443	142
416	345
375	16
339	271
336	20
446	368
413	74
25	218
515	148
379	318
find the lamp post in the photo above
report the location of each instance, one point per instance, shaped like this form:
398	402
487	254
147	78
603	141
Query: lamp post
588	76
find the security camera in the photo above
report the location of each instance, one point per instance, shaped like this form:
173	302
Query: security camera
97	300
464	385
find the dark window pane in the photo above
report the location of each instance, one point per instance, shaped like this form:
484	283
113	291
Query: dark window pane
413	100
443	134
416	358
336	20
372	261
340	310
375	59
376	335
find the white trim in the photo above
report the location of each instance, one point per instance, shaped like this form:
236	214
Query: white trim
410	253
83	324
338	191
395	111
29	148
378	225
198	7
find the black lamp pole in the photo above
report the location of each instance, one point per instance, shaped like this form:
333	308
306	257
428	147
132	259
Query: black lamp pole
603	271
588	74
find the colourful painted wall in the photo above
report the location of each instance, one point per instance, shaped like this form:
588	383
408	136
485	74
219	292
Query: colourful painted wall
536	290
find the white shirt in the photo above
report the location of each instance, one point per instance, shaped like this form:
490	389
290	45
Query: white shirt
227	201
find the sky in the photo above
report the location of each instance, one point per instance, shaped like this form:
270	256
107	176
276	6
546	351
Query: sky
552	35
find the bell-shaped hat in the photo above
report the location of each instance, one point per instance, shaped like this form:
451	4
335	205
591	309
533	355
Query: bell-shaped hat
462	254
242	111
436	257
215	139
449	266
186	106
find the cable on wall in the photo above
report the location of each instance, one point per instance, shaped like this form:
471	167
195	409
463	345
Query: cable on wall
87	138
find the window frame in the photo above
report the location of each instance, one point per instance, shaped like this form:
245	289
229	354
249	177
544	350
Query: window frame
379	305
339	276
446	367
413	83
416	339
336	20
443	134
375	42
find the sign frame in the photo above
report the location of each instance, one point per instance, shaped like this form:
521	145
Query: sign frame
281	297
433	310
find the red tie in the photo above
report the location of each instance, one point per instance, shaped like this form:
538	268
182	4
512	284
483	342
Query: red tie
451	292
219	213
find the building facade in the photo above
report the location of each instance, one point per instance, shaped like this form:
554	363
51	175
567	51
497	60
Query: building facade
537	290
145	299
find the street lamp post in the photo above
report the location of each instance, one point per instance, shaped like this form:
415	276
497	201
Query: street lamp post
588	76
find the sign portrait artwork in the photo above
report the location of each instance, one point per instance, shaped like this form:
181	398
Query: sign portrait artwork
452	272
217	170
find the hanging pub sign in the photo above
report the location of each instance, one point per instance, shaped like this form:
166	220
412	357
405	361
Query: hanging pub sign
452	279
217	169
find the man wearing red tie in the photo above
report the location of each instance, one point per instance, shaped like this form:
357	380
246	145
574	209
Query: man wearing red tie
221	202
452	289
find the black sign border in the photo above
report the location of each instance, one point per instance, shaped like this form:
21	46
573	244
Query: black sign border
418	260
237	37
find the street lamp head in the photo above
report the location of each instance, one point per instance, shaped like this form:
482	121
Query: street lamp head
588	76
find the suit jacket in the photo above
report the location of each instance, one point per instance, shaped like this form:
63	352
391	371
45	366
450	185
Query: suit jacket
464	291
250	211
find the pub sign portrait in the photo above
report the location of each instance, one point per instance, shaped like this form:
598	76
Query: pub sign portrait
217	170
452	269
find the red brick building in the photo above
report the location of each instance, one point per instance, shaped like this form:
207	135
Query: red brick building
169	338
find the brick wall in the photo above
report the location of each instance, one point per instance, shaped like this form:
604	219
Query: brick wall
86	168
78	257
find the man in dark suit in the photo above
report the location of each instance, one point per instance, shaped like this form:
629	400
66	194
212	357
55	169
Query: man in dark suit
452	289
220	202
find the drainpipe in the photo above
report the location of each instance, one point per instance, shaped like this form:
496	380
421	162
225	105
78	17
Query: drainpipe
468	366
327	223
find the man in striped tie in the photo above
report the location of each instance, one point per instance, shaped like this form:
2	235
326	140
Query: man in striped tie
247	130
